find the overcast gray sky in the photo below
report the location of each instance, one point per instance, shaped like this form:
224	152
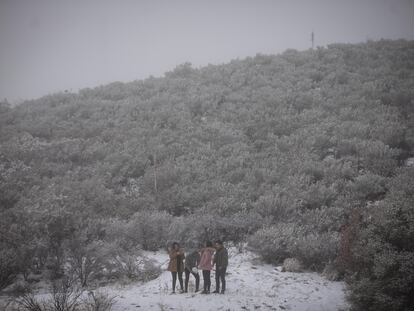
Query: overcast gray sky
52	45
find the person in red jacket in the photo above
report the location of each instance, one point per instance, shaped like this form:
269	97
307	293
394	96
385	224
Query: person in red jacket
206	256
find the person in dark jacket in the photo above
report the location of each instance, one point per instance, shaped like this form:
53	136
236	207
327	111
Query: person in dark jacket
191	263
221	260
176	265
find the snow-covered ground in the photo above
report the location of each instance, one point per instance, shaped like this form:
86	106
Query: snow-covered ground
251	285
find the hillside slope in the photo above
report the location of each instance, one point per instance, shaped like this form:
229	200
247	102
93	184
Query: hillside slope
301	154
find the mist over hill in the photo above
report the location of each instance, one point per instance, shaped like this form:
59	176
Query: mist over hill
301	154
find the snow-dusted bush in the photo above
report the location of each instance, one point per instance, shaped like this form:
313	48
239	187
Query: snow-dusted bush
65	296
331	272
318	195
150	228
28	302
146	230
383	253
8	267
130	266
278	242
125	265
150	271
272	243
368	187
18	287
316	250
325	219
377	157
200	227
97	301
292	265
87	260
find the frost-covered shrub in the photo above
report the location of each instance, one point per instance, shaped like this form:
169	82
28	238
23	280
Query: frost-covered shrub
278	242
292	265
315	250
130	266
198	228
87	260
65	296
387	286
150	271
125	265
331	273
324	219
147	230
368	187
97	301
117	232
273	243
318	195
28	302
377	157
383	254
8	267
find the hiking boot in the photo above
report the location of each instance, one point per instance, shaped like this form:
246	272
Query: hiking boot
216	292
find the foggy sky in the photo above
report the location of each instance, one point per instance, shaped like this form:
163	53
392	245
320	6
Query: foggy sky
54	45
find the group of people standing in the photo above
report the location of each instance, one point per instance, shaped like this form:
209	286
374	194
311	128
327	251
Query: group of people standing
199	259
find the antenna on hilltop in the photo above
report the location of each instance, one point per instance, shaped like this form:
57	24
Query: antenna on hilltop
313	39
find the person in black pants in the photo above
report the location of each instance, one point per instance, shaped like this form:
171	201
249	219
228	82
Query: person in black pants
221	260
206	256
207	281
191	262
176	265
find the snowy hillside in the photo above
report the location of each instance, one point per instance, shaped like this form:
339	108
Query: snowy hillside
251	285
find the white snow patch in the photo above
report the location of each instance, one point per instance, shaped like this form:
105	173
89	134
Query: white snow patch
251	285
409	162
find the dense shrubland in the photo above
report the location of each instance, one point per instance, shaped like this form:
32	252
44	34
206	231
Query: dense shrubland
298	153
